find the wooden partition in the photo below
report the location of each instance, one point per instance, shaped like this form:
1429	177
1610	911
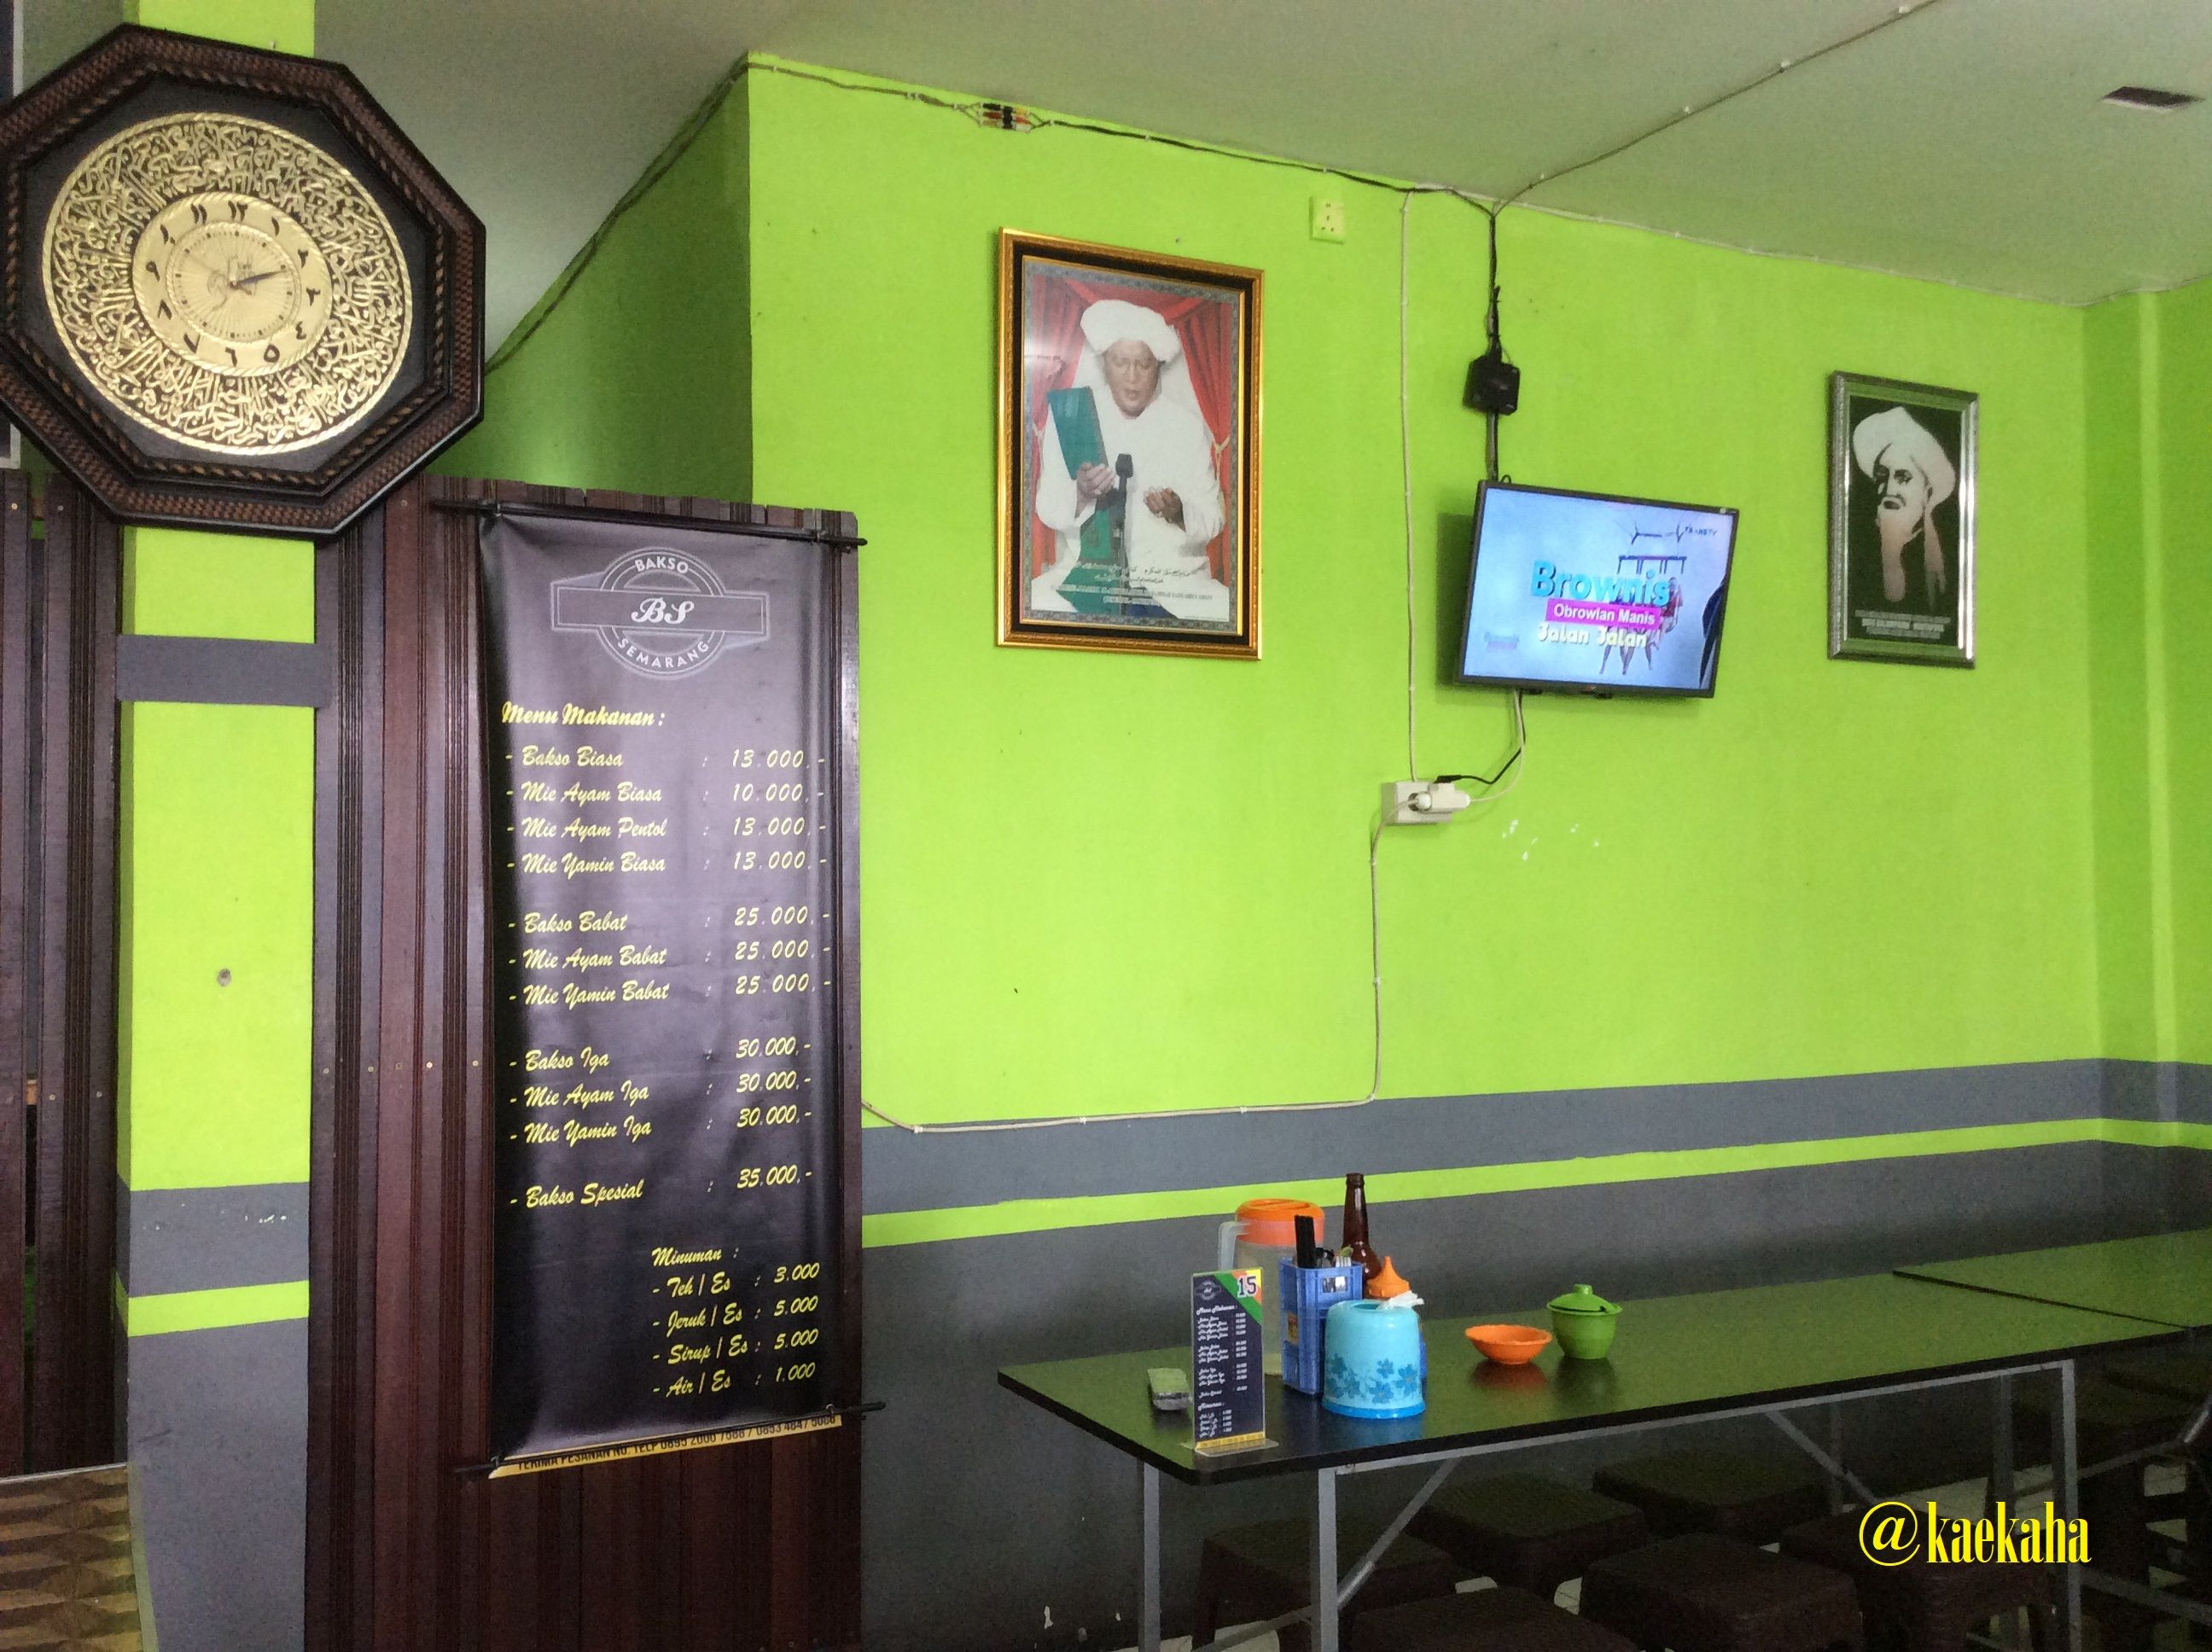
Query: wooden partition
745	1547
59	583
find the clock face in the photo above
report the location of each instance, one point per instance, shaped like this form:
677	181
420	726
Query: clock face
227	284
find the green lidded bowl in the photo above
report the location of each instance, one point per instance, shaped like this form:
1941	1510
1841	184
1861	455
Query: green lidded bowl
1584	1323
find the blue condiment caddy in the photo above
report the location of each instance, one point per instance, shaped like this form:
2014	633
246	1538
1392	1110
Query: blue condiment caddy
1307	1295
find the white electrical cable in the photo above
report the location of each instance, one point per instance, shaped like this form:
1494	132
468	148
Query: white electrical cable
1406	464
1412	759
1413	764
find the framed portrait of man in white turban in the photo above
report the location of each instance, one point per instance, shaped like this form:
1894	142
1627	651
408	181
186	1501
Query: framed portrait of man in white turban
1129	451
1900	521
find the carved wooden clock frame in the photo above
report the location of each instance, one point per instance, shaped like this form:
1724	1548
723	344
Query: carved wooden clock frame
138	470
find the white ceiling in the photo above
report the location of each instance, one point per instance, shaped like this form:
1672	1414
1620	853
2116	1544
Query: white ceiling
1963	141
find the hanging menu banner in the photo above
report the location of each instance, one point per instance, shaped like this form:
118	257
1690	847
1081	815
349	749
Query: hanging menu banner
662	726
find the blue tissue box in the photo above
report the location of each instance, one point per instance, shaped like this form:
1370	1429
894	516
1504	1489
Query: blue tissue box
1307	1295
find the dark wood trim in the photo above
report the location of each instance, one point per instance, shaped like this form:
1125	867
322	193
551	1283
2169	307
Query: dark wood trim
74	1357
58	599
340	1326
21	952
741	1546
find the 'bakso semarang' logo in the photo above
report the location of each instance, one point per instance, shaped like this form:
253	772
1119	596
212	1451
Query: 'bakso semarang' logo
660	612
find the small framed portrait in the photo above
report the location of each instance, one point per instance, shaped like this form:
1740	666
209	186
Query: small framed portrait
1900	522
1129	451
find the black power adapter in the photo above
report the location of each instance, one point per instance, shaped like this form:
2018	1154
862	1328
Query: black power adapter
1493	384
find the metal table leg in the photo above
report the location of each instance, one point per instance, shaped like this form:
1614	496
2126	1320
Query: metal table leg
1997	1503
1324	1561
2000	1474
2066	1491
1836	1490
1148	1608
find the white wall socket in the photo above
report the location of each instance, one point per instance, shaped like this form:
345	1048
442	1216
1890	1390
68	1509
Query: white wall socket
1421	803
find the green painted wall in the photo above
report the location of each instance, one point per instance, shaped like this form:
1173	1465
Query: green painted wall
1829	867
642	370
2120	383
2183	597
277	25
1095	883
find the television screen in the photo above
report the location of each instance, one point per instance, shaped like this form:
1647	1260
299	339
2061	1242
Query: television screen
1592	592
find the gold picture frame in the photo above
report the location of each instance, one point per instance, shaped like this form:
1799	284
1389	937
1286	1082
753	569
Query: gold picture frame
1134	527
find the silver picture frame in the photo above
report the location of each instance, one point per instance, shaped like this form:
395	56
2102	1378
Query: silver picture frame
1901	481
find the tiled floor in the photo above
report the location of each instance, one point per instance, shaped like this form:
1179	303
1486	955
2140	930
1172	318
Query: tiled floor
1962	1499
67	1582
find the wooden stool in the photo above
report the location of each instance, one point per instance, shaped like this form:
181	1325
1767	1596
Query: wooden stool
1920	1606
1482	1620
1751	1495
2185	1376
1526	1531
2109	1421
1265	1570
1705	1593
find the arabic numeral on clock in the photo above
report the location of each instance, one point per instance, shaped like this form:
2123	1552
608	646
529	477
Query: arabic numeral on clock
272	355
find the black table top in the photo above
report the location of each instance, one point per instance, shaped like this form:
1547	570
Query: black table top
1673	1356
2165	1278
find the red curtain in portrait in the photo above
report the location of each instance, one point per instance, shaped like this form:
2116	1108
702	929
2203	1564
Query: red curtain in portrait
1053	349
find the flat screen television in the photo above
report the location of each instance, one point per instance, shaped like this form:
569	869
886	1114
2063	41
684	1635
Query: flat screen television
1596	594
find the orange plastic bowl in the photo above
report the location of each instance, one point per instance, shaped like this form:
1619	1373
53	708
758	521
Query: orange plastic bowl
1509	1345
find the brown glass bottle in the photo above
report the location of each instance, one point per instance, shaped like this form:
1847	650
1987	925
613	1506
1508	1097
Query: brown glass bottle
1351	1245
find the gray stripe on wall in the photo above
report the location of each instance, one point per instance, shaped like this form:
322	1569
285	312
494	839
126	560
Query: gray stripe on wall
222	672
218	1431
906	1172
2192	1097
210	1238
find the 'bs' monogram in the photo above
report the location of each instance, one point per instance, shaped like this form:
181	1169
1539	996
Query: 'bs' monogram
658	610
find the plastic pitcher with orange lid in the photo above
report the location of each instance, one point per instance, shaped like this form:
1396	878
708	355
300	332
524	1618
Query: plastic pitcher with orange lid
1263	1233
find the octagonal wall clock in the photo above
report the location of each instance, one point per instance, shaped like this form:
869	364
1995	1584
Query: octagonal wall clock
232	291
